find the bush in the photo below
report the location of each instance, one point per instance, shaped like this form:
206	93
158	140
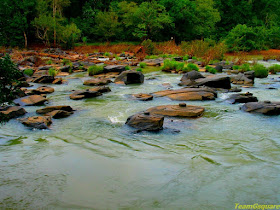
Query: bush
28	72
49	62
185	58
149	46
211	70
139	69
106	54
65	61
235	67
245	67
192	66
142	65
9	75
260	71
53	72
127	68
274	69
96	69
170	65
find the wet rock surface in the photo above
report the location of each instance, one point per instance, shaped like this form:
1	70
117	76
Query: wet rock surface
242	98
246	78
130	77
181	110
143	97
12	112
265	107
32	100
97	82
38	122
145	122
53	108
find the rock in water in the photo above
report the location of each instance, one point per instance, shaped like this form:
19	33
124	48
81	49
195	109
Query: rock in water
130	77
189	78
189	94
81	94
53	108
266	107
113	68
38	122
143	97
97	82
32	100
44	79
242	98
12	112
178	110
145	122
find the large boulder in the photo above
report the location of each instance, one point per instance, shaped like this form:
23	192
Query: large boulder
145	122
266	107
81	94
246	78
143	97
53	108
38	122
181	110
189	94
218	81
97	82
130	77
114	68
12	112
44	79
32	100
242	98
189	78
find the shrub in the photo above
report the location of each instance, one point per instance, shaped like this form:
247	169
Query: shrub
9	75
172	65
84	39
142	65
186	57
211	70
139	69
149	46
28	72
53	72
65	61
260	71
274	69
235	67
127	67
106	54
49	62
192	66
245	67
96	69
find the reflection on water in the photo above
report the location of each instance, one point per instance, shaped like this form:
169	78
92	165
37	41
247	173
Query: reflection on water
92	161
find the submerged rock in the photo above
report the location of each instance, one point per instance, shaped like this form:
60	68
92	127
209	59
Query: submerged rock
40	90
53	108
130	77
12	112
181	110
58	114
143	97
97	82
38	122
242	98
146	122
32	100
266	107
189	94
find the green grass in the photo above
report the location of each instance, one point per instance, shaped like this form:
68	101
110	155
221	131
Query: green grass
150	69
260	71
274	69
53	72
28	72
191	67
142	65
211	70
95	69
127	68
139	69
49	62
245	67
170	65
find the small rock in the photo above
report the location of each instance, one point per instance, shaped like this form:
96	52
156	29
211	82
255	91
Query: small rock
32	100
143	97
12	112
97	82
38	122
145	122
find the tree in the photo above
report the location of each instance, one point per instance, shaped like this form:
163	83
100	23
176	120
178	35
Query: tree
9	76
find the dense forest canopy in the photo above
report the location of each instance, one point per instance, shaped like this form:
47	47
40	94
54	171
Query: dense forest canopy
64	22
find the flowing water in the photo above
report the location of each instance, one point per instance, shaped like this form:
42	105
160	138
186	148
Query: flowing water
91	160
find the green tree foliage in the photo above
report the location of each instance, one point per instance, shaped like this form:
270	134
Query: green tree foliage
9	76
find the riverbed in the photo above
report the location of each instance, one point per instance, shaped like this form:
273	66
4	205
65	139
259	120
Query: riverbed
91	160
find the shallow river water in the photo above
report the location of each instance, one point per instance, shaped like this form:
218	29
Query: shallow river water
91	160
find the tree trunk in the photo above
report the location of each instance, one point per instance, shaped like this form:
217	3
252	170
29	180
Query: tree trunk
25	39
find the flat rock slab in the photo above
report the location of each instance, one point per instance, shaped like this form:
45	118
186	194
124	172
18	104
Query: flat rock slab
145	122
181	110
242	98
38	122
114	68
44	79
100	89
81	94
143	97
53	108
97	82
40	90
266	107
32	100
58	114
189	94
12	112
